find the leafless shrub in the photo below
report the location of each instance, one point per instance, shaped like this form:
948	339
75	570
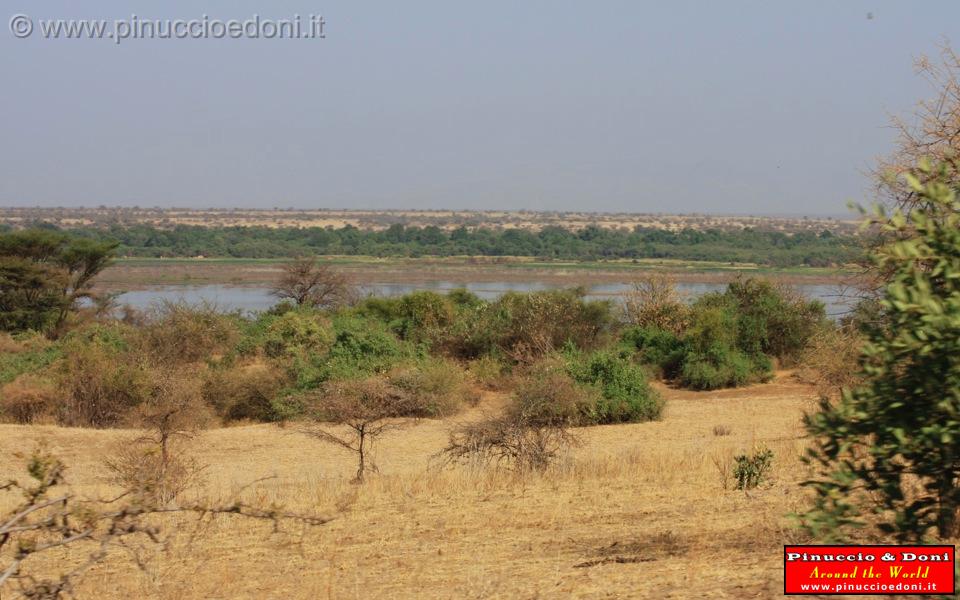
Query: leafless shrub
831	361
534	429
933	133
309	283
721	430
365	409
654	302
508	442
28	399
723	461
153	465
158	474
50	518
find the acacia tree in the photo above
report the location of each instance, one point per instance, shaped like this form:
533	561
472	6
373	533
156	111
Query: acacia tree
152	464
888	452
933	132
366	409
309	283
43	276
654	301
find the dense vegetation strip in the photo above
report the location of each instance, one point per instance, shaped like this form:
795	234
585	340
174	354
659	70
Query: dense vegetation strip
590	243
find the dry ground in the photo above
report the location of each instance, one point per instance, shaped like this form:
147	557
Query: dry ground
638	511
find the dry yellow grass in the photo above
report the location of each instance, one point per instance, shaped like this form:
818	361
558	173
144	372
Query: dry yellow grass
648	493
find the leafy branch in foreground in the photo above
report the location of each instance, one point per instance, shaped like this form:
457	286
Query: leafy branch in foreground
48	518
888	452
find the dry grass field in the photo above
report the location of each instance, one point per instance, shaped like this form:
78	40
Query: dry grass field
637	511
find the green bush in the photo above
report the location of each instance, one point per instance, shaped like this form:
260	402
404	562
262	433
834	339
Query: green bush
750	470
526	327
463	299
886	453
773	320
660	348
715	359
625	395
298	332
439	386
383	309
33	356
424	315
723	368
363	347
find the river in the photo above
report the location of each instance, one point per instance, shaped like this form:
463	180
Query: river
249	299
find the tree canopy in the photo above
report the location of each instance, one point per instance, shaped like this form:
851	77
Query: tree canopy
44	274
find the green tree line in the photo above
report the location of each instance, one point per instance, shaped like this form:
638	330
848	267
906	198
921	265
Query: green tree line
590	243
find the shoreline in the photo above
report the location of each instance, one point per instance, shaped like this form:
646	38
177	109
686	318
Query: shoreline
138	274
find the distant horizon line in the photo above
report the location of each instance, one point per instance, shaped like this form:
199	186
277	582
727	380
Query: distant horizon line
757	215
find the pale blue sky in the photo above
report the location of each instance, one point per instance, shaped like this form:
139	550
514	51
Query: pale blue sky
725	107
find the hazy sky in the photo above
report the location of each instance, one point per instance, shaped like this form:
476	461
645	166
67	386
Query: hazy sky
732	107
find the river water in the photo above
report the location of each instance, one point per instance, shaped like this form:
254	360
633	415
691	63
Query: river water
249	299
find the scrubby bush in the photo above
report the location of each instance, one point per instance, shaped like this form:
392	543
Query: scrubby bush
509	443
440	387
489	372
246	392
654	303
28	399
362	347
180	333
548	395
100	378
750	470
722	368
773	319
424	312
150	474
831	361
662	349
306	282
296	333
526	327
625	394
534	429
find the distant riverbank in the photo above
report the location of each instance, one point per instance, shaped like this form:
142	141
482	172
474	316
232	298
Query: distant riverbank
132	274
